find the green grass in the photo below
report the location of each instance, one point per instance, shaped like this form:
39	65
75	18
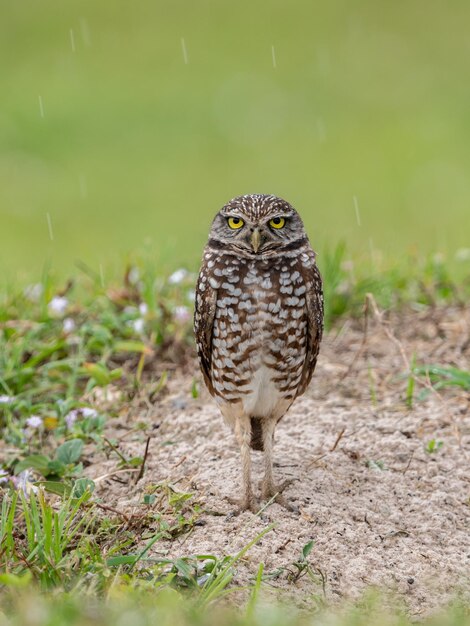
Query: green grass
366	102
60	563
58	343
25	607
68	543
441	376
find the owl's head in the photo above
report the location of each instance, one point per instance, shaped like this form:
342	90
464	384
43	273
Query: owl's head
257	225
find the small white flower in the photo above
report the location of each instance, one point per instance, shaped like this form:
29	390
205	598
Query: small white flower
74	414
33	292
4	476
181	314
133	275
34	421
138	325
58	305
143	308
71	418
178	276
68	325
6	399
191	295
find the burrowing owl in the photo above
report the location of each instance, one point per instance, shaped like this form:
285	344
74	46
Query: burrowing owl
258	321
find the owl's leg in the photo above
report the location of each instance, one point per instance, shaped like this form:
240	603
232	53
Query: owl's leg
269	487
243	434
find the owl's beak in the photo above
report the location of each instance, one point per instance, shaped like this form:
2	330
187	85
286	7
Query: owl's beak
255	240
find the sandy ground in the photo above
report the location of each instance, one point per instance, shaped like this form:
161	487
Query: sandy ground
380	509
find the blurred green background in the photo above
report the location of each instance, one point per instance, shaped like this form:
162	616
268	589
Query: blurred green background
130	124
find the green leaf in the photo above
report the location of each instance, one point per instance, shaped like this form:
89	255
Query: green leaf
38	462
99	373
136	461
56	468
434	445
184	569
82	486
44	354
122	560
116	374
52	486
69	452
176	499
307	549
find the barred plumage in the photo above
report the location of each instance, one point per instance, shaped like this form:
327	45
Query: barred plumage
258	320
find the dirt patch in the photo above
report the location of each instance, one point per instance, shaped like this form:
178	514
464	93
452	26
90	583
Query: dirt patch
380	508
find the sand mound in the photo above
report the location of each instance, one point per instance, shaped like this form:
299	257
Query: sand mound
380	508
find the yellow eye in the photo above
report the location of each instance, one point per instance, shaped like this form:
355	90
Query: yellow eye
277	222
235	222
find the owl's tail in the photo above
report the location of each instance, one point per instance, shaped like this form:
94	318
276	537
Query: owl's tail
256	442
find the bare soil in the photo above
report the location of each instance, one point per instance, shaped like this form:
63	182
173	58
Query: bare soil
381	510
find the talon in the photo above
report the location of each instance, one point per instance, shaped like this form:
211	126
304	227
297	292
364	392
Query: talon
242	505
275	491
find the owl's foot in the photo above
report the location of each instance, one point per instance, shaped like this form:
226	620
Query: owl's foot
270	490
243	504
